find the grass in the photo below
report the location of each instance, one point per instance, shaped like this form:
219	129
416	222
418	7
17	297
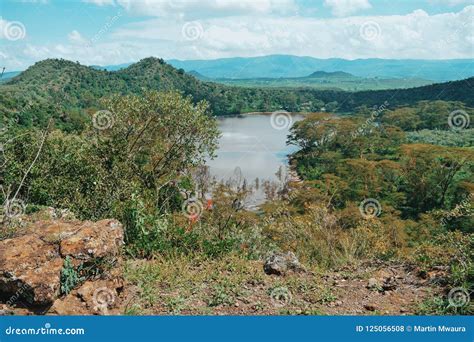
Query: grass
440	306
198	285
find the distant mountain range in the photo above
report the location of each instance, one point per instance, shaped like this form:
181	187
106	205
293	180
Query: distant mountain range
276	66
8	75
323	80
288	66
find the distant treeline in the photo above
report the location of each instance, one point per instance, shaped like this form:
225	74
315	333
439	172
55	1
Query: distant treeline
70	92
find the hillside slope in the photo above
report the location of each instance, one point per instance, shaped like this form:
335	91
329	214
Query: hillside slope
64	90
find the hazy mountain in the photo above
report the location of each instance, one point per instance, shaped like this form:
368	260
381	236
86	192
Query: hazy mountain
335	74
275	66
198	75
322	80
7	75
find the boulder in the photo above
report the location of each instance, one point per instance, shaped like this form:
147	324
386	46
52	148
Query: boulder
94	240
31	264
100	297
280	263
29	269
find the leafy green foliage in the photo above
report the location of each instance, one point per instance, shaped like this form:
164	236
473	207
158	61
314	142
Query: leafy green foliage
96	172
69	277
461	138
425	115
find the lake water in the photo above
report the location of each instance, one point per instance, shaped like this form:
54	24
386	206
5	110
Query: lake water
253	145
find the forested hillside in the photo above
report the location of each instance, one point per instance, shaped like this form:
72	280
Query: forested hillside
66	90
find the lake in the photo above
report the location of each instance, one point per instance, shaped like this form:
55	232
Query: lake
253	145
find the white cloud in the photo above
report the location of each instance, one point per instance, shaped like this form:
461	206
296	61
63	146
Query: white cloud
342	8
417	35
100	2
76	38
451	2
35	1
204	9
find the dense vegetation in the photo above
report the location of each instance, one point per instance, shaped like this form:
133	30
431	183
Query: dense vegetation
70	92
377	176
377	184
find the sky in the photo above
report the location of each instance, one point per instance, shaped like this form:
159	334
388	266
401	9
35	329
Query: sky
109	32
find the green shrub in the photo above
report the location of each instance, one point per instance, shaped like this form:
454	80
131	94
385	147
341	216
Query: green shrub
69	277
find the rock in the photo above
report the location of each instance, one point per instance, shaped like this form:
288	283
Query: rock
389	284
29	269
94	240
50	213
370	307
69	305
31	264
52	232
373	284
281	263
6	312
91	298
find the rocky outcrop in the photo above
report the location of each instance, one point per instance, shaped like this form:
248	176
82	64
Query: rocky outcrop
280	263
31	264
100	297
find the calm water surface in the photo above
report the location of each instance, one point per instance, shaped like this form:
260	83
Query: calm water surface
251	143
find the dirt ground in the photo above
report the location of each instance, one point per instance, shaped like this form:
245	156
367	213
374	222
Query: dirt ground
236	286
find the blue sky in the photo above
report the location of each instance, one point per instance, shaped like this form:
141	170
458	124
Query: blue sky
108	32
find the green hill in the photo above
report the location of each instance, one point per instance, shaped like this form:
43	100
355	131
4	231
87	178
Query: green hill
69	92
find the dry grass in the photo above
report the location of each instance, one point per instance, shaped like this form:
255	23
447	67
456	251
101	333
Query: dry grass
233	285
